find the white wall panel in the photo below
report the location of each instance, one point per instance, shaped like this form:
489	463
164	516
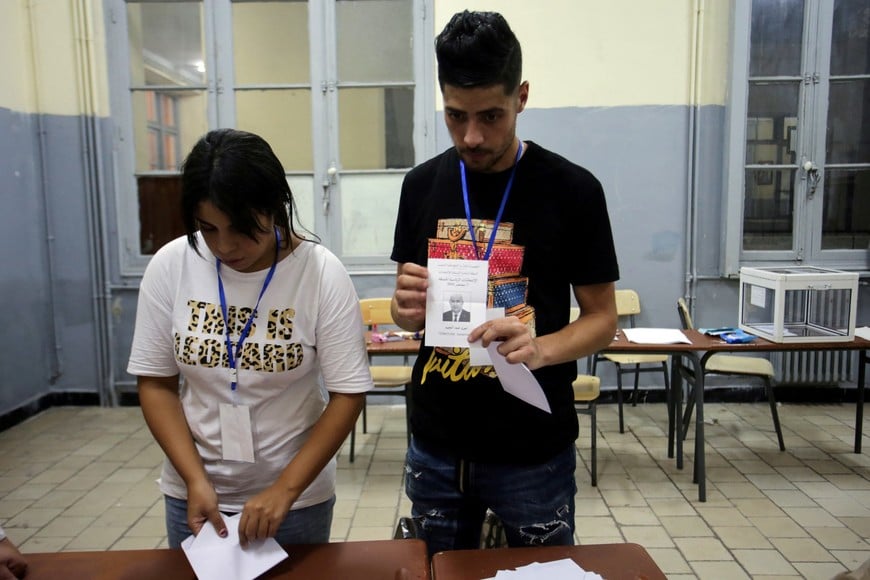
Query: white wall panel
589	53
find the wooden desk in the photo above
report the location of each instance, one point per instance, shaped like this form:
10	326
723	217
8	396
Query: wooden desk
697	354
405	347
712	345
369	560
611	561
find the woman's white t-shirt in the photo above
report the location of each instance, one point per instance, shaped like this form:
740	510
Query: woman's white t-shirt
308	328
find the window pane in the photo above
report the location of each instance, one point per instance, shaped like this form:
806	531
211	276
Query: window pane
848	139
768	208
771	127
166	43
270	42
777	29
191	125
850	46
283	118
374	40
368	213
847	210
376	128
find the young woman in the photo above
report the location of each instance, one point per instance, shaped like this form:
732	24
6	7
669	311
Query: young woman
248	351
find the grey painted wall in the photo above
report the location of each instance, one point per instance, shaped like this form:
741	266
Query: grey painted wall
62	304
49	339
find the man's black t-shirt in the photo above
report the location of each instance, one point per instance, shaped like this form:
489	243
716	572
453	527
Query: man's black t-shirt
559	221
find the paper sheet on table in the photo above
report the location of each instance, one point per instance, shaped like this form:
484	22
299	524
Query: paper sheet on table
518	380
655	335
863	332
216	558
565	569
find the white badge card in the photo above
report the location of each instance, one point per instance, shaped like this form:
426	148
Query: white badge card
455	300
237	437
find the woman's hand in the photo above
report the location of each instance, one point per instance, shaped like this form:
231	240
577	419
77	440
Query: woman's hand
202	506
263	514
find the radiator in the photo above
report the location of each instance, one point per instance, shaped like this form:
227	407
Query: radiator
829	309
814	367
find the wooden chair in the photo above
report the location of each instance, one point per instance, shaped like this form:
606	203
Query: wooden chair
734	365
389	380
587	388
627	307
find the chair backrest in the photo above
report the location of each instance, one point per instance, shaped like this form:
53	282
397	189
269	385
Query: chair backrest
376	311
627	305
685	316
575	314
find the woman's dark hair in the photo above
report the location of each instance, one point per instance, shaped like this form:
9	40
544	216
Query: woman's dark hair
239	173
479	49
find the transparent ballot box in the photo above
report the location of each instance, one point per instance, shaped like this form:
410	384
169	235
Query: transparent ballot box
798	303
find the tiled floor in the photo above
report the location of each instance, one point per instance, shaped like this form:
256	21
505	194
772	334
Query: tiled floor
83	478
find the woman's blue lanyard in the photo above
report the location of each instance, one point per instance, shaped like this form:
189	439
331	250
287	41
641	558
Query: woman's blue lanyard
504	198
233	355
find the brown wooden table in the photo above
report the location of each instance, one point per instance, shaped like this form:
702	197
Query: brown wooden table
406	347
697	354
611	561
367	560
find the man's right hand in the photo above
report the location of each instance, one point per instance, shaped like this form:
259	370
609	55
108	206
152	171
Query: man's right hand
409	301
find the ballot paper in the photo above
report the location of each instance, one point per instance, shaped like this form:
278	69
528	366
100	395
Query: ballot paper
565	569
655	335
517	379
863	332
477	355
216	558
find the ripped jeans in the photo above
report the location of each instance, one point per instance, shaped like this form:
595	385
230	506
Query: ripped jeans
450	498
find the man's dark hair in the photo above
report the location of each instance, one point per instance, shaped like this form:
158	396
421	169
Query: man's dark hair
240	174
479	49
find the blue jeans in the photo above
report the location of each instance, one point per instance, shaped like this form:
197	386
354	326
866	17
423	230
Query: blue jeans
309	525
450	498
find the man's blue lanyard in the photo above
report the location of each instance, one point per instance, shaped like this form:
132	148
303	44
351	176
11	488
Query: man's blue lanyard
504	198
233	355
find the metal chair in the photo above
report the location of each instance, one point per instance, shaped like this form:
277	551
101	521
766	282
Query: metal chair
587	389
734	365
628	306
389	380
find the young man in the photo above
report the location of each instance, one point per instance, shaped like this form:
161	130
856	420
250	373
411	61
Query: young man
542	223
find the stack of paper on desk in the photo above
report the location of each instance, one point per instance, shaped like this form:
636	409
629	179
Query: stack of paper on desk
214	558
565	569
656	335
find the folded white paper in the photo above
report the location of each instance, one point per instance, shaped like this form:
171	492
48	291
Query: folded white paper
656	335
517	379
565	569
216	558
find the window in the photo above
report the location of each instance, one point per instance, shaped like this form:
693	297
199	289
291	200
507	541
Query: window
332	85
799	168
162	130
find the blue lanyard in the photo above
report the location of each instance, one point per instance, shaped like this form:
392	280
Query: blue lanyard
504	198
233	355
